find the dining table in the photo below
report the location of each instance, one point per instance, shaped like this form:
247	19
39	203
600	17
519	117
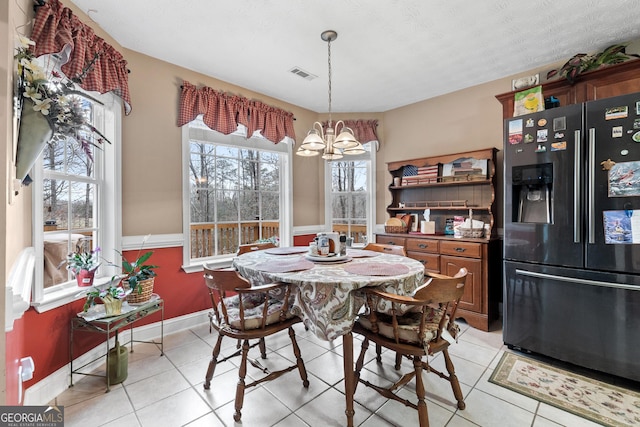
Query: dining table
324	289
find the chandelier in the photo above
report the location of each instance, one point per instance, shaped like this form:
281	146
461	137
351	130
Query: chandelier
320	139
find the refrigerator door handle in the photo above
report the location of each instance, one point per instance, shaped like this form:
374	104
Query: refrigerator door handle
591	189
576	280
577	225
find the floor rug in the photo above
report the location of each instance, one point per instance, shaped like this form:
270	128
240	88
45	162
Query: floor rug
588	398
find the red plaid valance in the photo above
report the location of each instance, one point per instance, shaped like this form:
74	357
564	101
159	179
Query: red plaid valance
223	112
88	58
363	130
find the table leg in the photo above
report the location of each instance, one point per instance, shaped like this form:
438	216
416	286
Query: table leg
349	379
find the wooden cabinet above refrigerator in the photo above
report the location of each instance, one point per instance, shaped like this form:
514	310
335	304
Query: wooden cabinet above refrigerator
605	82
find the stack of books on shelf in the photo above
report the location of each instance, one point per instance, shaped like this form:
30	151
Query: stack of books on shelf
413	175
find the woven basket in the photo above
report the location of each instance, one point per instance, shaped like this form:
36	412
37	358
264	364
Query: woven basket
146	288
471	232
395	229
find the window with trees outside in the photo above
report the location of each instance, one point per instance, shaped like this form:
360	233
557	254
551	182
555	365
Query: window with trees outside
237	192
77	203
352	207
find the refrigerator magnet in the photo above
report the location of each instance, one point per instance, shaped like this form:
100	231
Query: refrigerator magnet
636	137
636	124
558	135
515	131
637	108
616	113
529	123
559	123
528	138
542	135
616	132
541	149
559	146
542	122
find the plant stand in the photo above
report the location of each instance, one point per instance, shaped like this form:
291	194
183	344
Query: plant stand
109	325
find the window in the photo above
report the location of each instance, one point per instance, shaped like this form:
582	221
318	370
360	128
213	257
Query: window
236	192
76	204
350	191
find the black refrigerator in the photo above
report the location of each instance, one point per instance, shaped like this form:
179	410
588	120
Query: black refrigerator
572	234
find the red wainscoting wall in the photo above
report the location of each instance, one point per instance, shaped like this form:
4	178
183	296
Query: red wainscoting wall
45	336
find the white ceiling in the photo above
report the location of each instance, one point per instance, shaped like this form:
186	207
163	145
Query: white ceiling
389	53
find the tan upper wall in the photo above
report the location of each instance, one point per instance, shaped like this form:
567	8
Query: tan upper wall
152	156
465	120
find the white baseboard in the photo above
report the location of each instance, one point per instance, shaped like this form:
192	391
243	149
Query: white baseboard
44	391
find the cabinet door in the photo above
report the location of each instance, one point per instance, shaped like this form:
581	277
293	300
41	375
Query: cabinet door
473	287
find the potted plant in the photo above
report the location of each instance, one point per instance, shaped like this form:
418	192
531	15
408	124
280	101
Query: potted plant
138	276
51	109
83	265
111	294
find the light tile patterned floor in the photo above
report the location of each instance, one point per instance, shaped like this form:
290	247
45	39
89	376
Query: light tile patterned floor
168	390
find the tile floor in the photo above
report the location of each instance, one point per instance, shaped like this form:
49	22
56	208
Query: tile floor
168	391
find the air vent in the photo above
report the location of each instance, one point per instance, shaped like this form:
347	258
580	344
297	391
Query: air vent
304	74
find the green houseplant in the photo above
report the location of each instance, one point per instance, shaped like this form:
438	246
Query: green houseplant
138	275
112	296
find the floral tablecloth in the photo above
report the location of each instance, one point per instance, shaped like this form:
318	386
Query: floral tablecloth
323	295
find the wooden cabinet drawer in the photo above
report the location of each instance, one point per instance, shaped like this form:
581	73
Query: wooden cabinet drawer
431	262
465	249
390	240
422	245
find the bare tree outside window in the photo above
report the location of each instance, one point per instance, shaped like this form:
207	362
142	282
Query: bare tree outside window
349	189
234	197
69	193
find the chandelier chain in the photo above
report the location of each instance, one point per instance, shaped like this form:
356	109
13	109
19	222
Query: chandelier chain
329	63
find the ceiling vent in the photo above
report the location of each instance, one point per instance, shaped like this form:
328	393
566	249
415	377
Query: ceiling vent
302	73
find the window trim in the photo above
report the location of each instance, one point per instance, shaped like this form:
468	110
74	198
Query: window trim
110	223
371	189
285	147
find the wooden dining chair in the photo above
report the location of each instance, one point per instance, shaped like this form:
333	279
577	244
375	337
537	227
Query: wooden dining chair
387	249
251	314
427	328
251	247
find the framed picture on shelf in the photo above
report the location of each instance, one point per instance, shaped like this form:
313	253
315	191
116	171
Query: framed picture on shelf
415	224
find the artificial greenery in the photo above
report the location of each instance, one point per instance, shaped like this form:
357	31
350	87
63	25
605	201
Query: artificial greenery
81	260
582	62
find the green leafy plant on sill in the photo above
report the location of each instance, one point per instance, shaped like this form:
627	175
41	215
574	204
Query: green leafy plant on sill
77	261
582	62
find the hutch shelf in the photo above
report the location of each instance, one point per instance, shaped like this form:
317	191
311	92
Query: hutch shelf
445	197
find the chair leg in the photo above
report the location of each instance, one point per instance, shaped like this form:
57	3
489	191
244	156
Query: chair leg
296	351
398	361
423	415
213	363
453	379
378	353
242	373
360	361
263	348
